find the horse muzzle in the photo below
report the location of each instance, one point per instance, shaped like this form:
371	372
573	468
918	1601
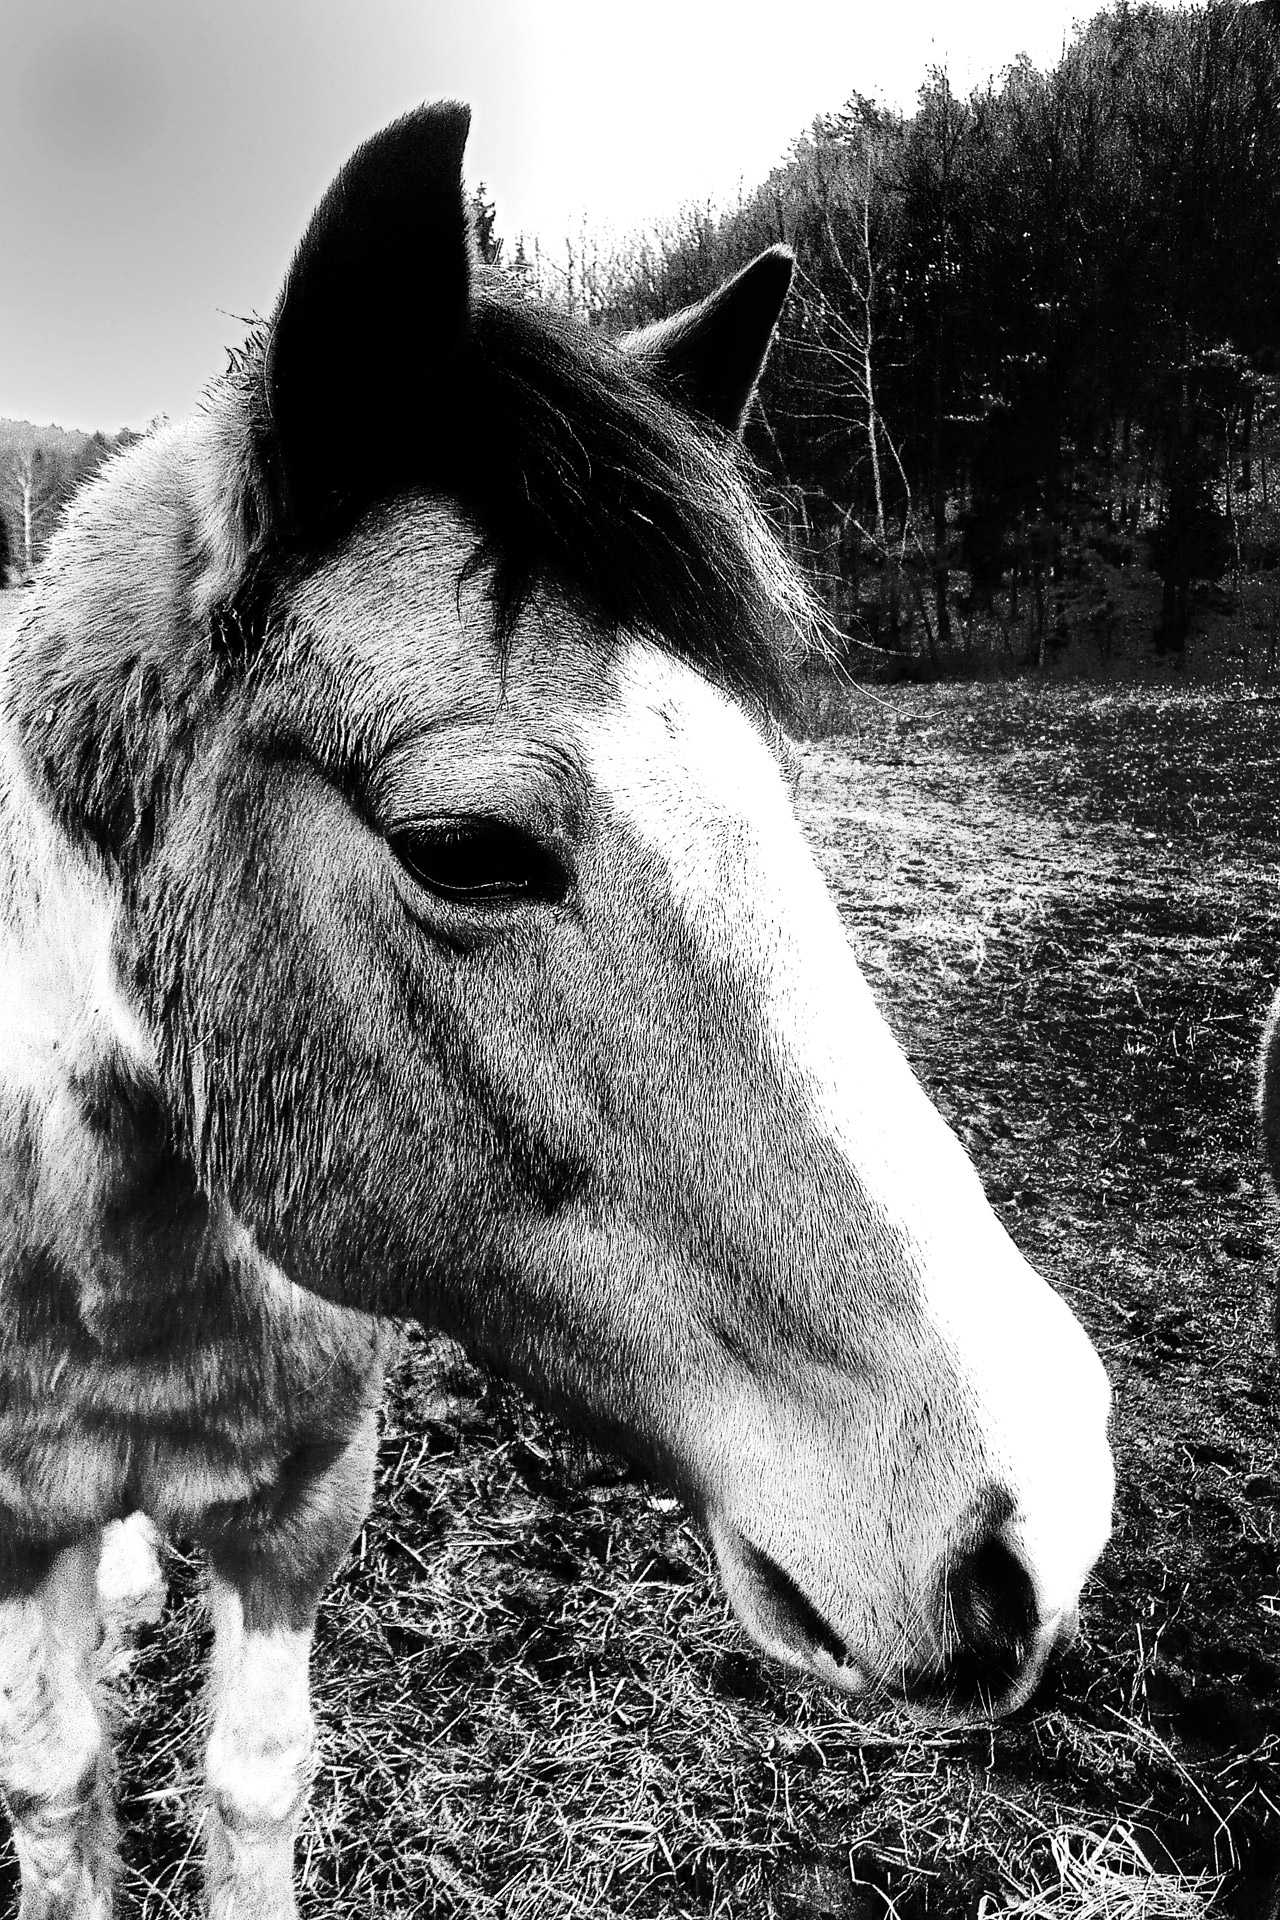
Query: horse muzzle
975	1651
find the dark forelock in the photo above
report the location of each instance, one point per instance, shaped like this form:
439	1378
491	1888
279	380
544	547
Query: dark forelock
582	476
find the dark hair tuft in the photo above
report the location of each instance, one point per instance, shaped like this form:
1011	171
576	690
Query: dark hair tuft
582	475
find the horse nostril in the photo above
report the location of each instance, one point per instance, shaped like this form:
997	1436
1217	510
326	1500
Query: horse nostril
787	1610
990	1621
779	1615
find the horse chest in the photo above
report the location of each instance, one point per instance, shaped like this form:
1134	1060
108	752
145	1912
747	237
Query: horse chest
151	1358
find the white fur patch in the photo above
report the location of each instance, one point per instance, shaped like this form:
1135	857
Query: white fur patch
131	1582
62	1006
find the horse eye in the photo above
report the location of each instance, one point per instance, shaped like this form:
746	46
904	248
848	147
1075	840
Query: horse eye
473	857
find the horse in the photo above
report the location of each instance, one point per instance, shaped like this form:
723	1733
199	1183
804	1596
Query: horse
404	915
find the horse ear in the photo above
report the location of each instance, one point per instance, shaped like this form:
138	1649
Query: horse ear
374	309
710	357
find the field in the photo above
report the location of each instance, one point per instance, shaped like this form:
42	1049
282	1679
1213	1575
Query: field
534	1702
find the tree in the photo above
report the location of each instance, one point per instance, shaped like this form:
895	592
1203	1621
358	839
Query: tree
484	216
32	497
937	218
841	215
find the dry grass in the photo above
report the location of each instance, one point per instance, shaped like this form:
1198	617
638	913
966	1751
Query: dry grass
1106	1877
535	1705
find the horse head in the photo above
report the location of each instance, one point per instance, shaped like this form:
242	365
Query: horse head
430	727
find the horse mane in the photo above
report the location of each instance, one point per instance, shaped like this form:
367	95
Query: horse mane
581	475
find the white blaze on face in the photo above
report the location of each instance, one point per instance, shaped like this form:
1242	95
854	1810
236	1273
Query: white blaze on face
696	784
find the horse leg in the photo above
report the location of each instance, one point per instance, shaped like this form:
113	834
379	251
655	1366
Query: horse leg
55	1760
266	1580
259	1759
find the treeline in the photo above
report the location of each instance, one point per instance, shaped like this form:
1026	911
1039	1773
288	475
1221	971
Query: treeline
1034	346
40	468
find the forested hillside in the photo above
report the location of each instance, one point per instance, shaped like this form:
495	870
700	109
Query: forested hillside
1025	404
1026	400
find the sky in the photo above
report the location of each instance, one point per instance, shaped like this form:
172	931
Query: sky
160	157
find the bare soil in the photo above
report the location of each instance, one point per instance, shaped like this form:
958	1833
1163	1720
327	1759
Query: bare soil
533	1699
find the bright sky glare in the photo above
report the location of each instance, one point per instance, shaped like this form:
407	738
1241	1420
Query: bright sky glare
160	157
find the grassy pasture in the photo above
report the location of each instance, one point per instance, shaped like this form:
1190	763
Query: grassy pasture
534	1702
